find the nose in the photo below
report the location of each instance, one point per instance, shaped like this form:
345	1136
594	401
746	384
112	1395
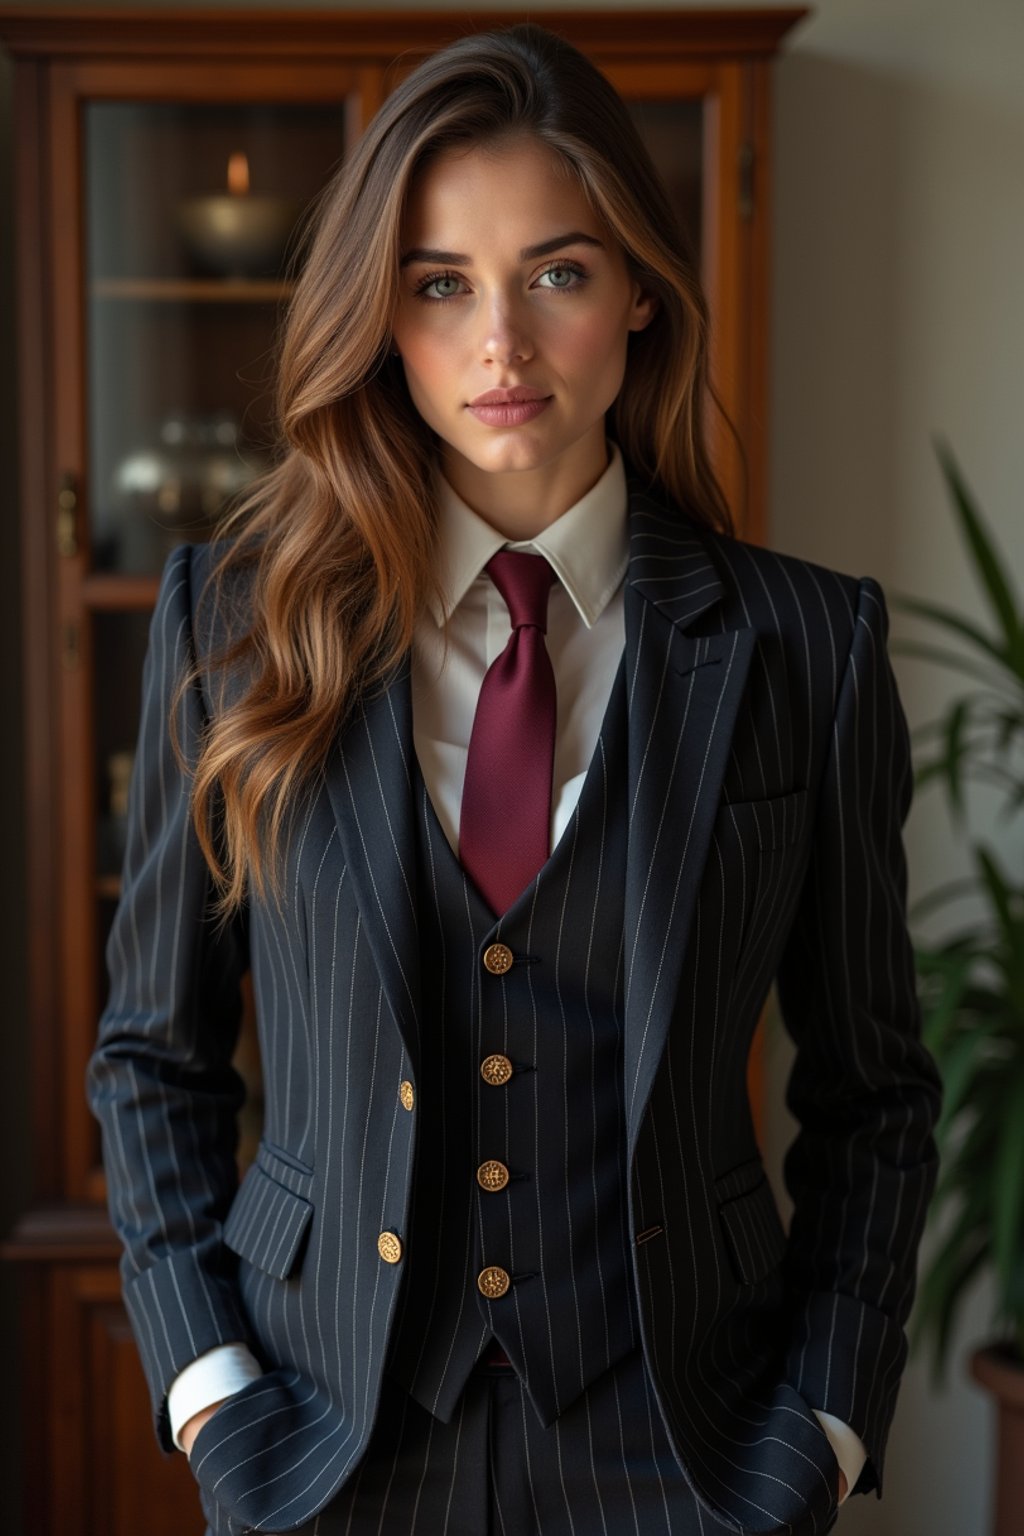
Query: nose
506	338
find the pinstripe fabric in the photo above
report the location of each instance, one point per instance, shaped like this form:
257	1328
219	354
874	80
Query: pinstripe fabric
606	1466
559	1227
767	778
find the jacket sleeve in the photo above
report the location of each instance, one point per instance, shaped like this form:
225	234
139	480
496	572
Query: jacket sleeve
160	1080
863	1088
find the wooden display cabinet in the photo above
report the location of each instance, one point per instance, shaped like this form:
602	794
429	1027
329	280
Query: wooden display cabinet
145	392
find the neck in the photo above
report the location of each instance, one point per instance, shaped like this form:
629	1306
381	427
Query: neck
519	504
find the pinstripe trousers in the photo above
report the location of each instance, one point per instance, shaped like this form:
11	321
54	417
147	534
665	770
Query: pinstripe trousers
604	1468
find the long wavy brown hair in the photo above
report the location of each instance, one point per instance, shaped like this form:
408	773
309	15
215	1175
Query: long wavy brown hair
335	542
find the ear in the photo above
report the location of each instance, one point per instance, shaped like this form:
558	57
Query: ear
643	308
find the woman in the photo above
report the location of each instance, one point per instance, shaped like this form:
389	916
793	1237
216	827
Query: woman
516	779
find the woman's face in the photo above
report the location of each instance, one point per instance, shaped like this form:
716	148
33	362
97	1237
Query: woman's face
510	283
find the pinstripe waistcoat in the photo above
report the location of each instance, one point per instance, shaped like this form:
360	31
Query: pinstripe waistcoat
559	1227
766	780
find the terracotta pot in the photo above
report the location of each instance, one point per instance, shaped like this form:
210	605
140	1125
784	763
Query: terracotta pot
1002	1372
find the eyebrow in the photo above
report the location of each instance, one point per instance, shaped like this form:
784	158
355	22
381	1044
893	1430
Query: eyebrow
528	252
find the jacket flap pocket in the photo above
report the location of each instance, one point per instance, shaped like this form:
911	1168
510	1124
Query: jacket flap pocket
284	1167
266	1223
767	824
754	1234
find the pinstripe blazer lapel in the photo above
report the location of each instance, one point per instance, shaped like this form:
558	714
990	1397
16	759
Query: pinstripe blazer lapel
370	788
684	696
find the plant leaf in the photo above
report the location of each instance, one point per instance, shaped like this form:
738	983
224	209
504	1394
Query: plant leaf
949	659
942	1287
956	746
998	889
987	562
971	984
935	900
948	619
959	1066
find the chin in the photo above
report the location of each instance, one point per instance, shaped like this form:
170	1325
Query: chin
509	463
502	458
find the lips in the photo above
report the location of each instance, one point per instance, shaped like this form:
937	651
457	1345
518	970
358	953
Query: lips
518	396
508	407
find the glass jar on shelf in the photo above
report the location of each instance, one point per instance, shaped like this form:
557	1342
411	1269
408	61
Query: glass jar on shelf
174	489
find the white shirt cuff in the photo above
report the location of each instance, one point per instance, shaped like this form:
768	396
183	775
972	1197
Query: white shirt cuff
218	1374
850	1450
223	1371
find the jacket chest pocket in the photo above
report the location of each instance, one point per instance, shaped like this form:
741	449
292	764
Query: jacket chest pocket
754	1235
762	826
759	845
269	1218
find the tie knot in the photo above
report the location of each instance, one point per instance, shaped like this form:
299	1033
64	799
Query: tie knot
524	581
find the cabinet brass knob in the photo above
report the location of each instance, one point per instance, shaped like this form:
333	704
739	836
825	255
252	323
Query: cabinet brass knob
67	518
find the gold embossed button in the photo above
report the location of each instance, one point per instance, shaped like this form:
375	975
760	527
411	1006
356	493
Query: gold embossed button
389	1246
407	1094
493	1282
496	1070
492	1175
497	958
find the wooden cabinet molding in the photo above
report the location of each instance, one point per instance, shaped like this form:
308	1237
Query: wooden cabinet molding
357	34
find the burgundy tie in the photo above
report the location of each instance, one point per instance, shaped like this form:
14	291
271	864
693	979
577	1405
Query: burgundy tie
505	822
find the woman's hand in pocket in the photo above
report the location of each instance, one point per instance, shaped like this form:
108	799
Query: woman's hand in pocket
192	1426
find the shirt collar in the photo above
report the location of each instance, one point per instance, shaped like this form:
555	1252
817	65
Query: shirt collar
587	546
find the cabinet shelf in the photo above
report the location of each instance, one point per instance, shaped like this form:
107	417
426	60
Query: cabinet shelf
106	593
192	290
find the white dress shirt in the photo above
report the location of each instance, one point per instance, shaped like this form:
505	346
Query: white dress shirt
588	549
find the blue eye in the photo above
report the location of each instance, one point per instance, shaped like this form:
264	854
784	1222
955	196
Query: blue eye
440	287
439	281
564	274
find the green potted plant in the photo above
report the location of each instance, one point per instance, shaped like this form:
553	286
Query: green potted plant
972	989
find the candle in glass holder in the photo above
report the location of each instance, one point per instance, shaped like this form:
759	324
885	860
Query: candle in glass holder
238	233
238	174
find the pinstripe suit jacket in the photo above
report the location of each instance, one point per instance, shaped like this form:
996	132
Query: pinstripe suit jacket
768	779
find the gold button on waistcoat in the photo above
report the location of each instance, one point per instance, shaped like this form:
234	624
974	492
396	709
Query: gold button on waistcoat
497	958
496	1070
389	1246
407	1094
492	1175
493	1282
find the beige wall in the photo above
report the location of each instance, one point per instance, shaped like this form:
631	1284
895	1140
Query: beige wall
898	312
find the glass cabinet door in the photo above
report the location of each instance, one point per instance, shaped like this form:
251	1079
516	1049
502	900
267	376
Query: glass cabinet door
673	132
192	217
